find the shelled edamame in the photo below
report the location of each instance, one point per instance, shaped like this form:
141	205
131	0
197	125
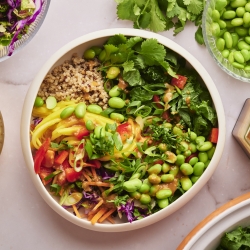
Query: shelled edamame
231	28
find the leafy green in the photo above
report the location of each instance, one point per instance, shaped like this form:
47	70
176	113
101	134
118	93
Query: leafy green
236	239
160	15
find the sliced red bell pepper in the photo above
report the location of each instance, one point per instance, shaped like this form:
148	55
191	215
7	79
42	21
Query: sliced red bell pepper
124	130
157	101
82	133
213	137
66	164
39	155
44	172
61	157
72	175
179	82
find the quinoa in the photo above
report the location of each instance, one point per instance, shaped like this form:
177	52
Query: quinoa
76	79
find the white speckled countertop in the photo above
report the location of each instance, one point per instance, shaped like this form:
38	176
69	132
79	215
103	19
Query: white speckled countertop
26	221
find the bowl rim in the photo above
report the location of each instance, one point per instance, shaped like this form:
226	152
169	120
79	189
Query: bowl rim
27	110
216	216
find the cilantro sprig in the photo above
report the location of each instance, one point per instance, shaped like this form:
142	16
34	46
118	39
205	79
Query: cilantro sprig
160	15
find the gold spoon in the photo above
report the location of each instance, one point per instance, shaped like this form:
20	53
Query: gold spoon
1	132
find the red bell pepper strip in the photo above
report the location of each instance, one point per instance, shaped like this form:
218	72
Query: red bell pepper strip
72	175
81	133
40	153
213	137
179	82
95	163
61	157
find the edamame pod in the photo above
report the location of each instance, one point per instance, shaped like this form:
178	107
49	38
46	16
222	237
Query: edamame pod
186	183
163	194
67	112
80	110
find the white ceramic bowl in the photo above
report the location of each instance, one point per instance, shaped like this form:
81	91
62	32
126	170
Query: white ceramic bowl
78	46
33	29
208	233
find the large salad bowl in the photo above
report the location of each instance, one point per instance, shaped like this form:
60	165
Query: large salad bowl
78	46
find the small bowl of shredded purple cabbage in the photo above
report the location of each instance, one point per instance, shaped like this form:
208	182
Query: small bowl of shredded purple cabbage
19	22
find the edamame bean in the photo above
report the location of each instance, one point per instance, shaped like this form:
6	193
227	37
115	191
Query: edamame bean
167	125
245	53
210	152
247	39
193	136
113	72
102	55
200	139
199	168
229	25
135	176
163	194
154	189
116	102
239	57
115	91
229	14
225	53
144	188
67	112
163	147
215	15
241	31
186	183
80	110
117	117
238	3
238	21
231	57
247	7
97	50
171	157
177	131
89	125
162	203
99	132
247	68
166	178
132	185
145	199
238	65
89	54
94	108
38	102
235	38
135	195
246	18
155	169
220	4
203	157
193	160
165	167
240	11
183	146
215	29
207	144
174	170
243	45
187	153
154	179
180	160
186	169
194	178
192	147
222	24
207	163
228	40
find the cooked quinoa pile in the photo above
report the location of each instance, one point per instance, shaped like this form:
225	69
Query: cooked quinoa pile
76	79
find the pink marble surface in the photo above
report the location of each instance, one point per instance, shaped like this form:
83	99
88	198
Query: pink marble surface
26	221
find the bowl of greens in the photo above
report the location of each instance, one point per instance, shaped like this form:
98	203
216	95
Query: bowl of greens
227	227
121	128
19	22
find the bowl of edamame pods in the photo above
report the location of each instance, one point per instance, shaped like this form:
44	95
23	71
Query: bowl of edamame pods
114	134
226	34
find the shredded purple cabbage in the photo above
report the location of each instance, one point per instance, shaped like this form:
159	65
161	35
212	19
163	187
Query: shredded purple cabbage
92	197
104	174
36	121
19	25
128	210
